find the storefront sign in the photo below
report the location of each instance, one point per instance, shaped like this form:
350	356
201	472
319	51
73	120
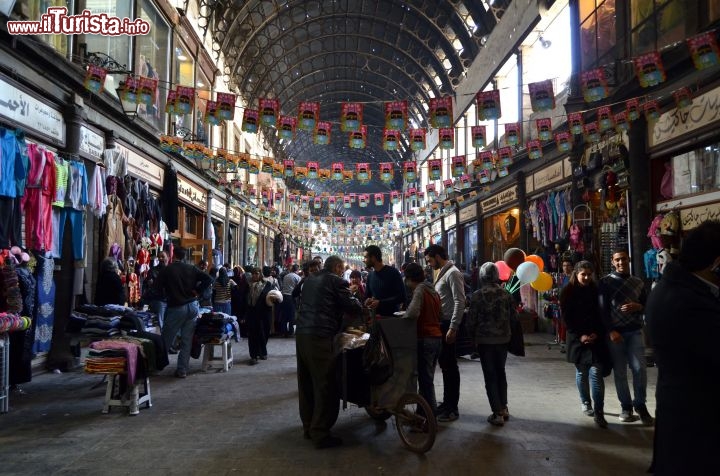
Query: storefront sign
548	176
27	112
704	110
450	221
144	169
503	198
435	227
468	213
253	225
567	167
91	143
235	215
529	184
218	207
191	193
692	217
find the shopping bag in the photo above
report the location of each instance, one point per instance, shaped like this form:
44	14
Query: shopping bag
517	341
377	359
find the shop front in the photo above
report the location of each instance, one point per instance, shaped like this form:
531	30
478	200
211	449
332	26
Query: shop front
220	224
234	250
251	257
469	231
449	222
192	215
435	237
500	223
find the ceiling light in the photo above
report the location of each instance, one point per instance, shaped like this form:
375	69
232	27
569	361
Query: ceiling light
545	43
182	57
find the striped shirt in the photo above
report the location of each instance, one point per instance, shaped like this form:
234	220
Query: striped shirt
222	293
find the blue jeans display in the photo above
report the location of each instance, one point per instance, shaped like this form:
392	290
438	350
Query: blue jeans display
589	382
492	359
428	350
181	319
630	351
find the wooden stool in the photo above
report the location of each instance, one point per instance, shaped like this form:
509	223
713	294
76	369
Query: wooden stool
225	360
114	399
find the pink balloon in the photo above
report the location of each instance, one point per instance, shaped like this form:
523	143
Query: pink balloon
504	270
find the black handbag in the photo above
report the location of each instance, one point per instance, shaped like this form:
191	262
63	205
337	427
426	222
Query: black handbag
517	340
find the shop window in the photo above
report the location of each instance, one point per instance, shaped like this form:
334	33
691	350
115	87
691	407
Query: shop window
37	8
657	23
597	32
252	249
183	75
116	47
471	246
153	51
193	223
696	171
204	93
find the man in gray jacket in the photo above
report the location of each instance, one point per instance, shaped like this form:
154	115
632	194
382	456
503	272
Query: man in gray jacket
450	285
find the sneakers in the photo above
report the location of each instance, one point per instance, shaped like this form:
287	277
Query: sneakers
448	415
600	420
587	409
328	442
645	416
496	419
626	416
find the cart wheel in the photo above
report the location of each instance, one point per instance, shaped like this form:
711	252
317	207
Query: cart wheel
378	414
416	431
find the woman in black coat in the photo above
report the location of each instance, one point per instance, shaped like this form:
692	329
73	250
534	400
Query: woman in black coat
586	344
109	288
257	315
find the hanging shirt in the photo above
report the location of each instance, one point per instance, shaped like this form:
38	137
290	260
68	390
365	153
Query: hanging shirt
11	164
77	197
62	179
97	195
116	162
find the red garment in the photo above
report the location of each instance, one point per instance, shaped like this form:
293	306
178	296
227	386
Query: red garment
36	204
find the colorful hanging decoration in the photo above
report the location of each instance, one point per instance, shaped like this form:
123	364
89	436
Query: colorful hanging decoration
486	158
441	112
300	173
129	89
544	128
286	129
464	181
289	166
363	172
321	135
417	139
147	90
348	176
95	78
652	110
317	203
379	199
396	115
649	69
409	171
324	175
395	197
386	172
542	97
633	109
435	169
683	97
337	170
390	139
226	106
171	144
704	50
346	202
211	116
253	166
594	85
185	100
363	200
269	111
351	116
458	165
621	121
512	133
605	118
488	105
430	189
358	139
243	161
250	121
592	132
308	115
312	170
534	148
447	138
576	123
278	170
505	156
170	101
478	134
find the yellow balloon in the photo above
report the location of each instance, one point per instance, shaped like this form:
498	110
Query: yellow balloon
544	282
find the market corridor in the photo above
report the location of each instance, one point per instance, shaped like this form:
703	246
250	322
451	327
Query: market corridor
246	422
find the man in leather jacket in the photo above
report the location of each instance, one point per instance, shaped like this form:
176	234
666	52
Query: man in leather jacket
325	298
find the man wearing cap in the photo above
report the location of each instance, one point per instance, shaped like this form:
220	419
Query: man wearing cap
182	283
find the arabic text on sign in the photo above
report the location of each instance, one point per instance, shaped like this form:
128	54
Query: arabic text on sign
692	217
31	113
704	110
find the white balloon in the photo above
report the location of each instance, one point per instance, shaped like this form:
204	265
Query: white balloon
527	272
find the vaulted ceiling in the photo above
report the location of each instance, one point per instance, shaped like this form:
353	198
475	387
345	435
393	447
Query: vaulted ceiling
335	51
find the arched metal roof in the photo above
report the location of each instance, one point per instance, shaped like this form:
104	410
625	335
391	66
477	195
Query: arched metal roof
335	51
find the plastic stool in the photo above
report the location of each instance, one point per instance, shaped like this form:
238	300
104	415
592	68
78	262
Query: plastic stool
114	399
225	359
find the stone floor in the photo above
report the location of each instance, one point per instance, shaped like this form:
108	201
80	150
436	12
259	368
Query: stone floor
245	421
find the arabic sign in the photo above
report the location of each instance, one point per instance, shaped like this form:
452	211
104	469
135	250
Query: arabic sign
143	168
436	227
450	221
692	217
468	213
498	200
91	143
28	112
704	110
253	225
235	215
218	208
548	176
191	193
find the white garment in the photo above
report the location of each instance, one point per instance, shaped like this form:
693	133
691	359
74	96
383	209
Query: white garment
97	194
116	161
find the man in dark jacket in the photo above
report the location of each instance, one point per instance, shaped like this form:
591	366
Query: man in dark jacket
683	313
182	283
325	298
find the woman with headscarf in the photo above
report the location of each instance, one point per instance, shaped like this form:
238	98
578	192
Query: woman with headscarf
109	288
257	314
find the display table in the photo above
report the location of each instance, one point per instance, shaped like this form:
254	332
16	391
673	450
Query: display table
132	399
221	362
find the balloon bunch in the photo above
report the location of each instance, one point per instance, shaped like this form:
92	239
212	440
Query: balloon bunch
519	269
